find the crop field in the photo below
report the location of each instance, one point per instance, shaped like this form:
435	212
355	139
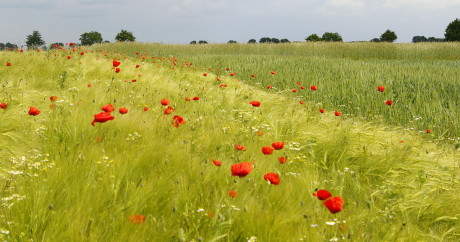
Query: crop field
231	142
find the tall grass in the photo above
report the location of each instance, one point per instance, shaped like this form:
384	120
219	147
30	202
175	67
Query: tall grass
63	179
420	79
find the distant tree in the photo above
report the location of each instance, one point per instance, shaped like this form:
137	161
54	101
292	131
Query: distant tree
125	36
193	42
434	39
453	31
232	42
90	38
202	42
2	46
265	40
252	41
331	37
275	41
106	41
11	46
285	41
313	38
34	40
388	36
418	38
375	40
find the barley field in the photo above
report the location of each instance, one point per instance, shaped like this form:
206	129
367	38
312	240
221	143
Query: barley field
234	142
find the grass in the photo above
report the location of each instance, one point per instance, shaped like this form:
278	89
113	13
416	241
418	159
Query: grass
62	178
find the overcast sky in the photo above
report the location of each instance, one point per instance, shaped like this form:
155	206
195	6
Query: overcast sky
218	21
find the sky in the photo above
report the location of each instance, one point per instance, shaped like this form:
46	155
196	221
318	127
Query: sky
218	21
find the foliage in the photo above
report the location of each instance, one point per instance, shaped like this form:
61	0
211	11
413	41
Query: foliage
388	36
313	38
417	39
34	40
125	36
252	41
193	42
285	41
453	31
8	45
331	37
265	40
232	42
202	42
375	40
90	38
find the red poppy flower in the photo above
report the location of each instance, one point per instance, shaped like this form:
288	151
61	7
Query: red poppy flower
68	57
108	108
313	88
232	193
89	85
294	90
278	145
322	194
427	131
302	87
34	111
233	74
337	113
3	105
146	108
321	111
301	102
223	85
272	177
53	98
21	51
217	163
218	79
82	53
240	147
137	219
269	87
282	159
298	83
178	120
123	110
380	88
71	44
196	98
205	74
102	118
241	169
255	103
267	150
272	72
137	66
8	64
117	69
389	102
168	110
116	63
259	132
334	204
165	102
253	75
227	69
187	99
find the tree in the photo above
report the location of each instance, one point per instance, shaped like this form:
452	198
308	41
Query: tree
125	36
375	40
55	45
252	41
313	38
275	41
8	45
388	36
265	40
90	38
34	40
285	41
434	39
418	38
193	42
453	31
2	46
232	42
202	42
331	37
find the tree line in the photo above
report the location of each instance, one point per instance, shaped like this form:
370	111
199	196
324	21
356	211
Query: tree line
34	40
